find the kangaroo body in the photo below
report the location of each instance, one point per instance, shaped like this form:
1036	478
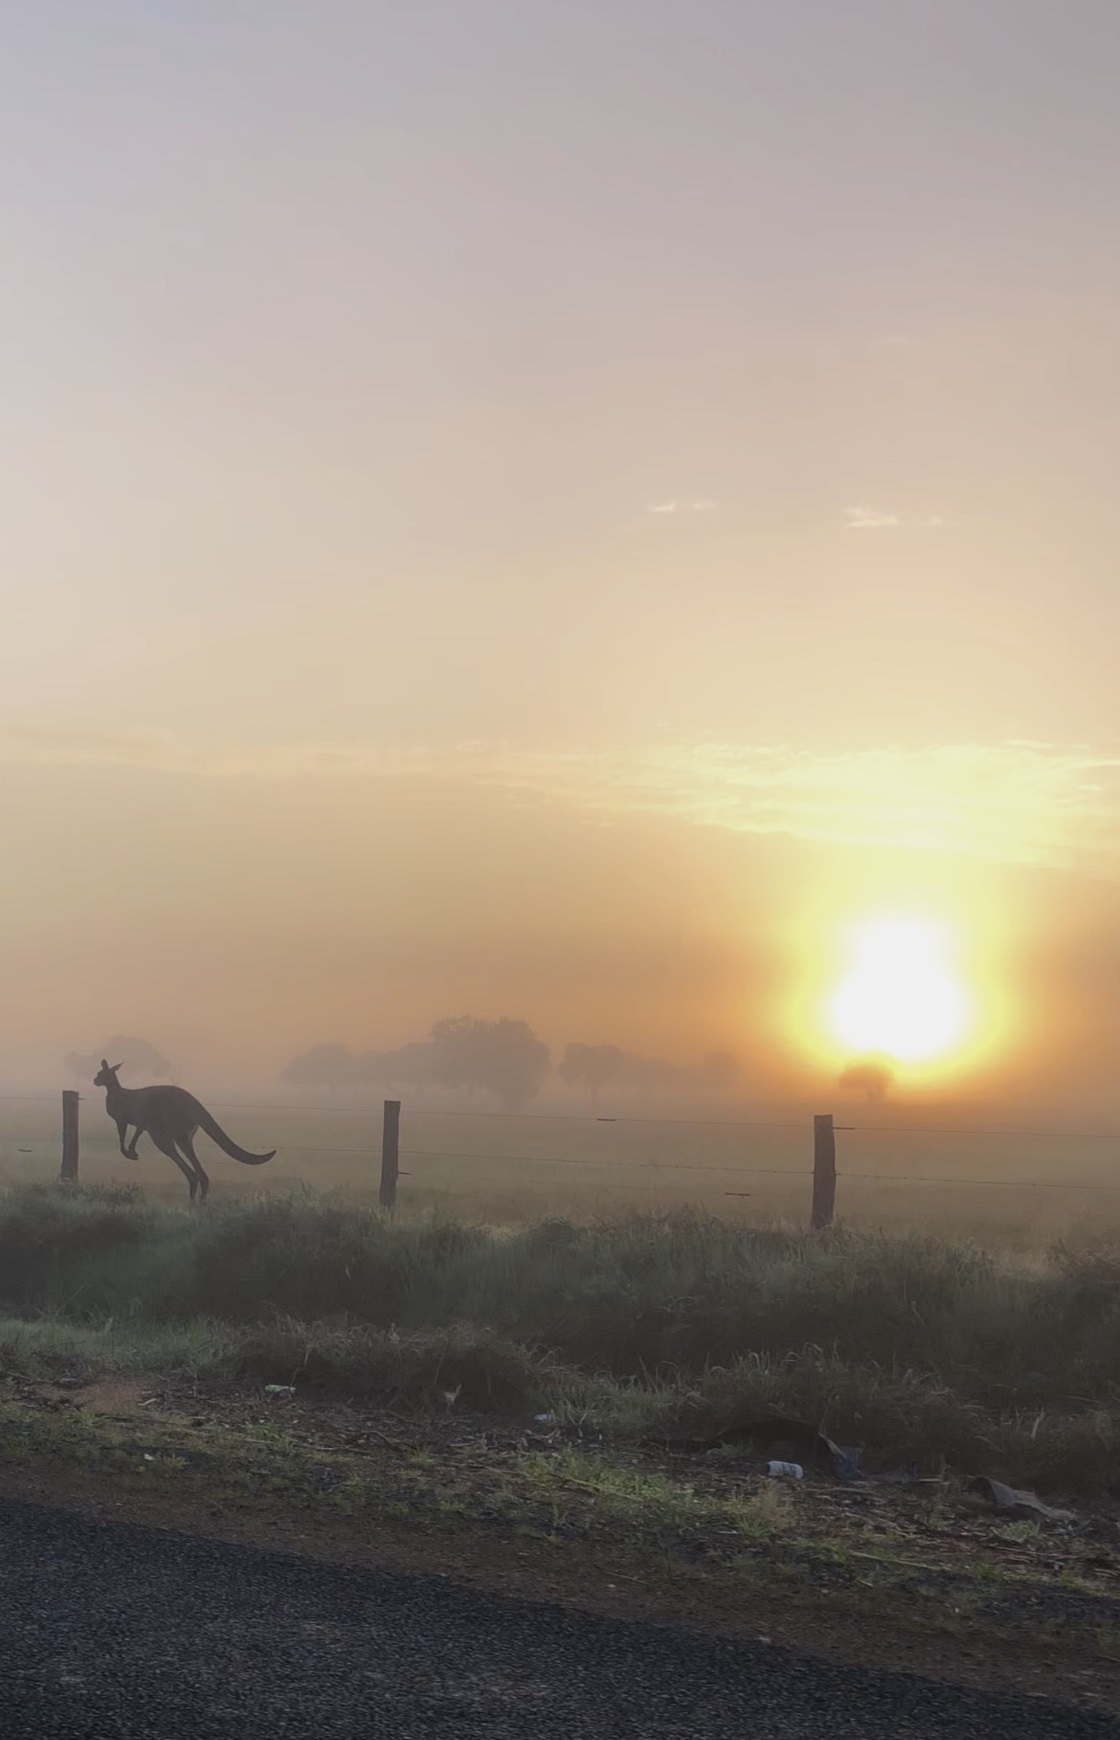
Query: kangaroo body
172	1118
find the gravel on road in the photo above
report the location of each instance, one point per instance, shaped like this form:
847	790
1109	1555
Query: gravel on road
111	1630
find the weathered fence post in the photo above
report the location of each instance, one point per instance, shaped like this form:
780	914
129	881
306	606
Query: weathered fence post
68	1171
390	1146
824	1171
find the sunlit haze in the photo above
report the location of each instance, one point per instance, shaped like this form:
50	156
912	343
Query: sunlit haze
899	997
602	514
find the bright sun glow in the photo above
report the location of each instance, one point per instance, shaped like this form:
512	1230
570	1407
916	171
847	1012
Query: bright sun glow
900	997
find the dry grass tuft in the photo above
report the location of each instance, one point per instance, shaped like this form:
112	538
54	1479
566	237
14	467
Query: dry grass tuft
461	1365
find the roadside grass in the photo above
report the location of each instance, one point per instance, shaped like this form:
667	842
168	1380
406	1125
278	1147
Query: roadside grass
668	1501
49	1347
661	1529
900	1419
461	1365
916	1350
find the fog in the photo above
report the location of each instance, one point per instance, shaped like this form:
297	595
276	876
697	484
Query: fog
546	515
235	922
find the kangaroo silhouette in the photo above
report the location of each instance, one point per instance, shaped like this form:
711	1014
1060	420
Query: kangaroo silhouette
171	1117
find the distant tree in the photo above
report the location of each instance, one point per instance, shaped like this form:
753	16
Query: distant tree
139	1057
503	1057
409	1066
598	1066
329	1066
719	1070
872	1076
592	1067
81	1065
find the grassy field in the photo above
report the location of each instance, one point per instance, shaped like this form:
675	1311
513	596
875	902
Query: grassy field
915	1349
541	1401
1019	1191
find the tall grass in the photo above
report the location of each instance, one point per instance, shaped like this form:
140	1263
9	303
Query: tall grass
48	1347
637	1296
911	1347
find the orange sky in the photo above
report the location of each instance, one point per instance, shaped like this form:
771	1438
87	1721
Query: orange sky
552	510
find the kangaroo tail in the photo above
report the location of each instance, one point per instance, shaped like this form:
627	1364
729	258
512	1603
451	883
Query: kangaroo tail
217	1134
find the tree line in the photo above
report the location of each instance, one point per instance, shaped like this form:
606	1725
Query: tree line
504	1058
467	1055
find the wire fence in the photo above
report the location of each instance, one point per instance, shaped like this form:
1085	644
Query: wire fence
775	1163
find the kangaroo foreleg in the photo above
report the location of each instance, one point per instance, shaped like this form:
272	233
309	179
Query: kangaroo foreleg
128	1150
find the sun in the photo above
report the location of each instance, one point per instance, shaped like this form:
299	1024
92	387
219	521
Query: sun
900	997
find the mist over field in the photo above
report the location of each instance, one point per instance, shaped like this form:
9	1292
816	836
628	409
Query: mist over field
559	867
578	585
239	922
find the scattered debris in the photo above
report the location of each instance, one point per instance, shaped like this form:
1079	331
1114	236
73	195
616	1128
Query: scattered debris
904	1475
1012	1502
784	1439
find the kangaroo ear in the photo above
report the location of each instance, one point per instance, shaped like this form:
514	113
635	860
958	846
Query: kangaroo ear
104	1065
117	1066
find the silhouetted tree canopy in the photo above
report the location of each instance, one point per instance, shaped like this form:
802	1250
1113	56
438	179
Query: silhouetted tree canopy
410	1065
872	1076
503	1057
595	1067
138	1056
592	1066
719	1070
330	1066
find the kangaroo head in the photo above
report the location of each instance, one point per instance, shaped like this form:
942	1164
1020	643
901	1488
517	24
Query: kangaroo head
106	1075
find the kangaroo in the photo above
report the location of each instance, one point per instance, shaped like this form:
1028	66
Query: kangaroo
170	1116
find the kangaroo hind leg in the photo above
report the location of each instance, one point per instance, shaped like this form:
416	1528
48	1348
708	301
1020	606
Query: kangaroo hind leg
166	1146
185	1144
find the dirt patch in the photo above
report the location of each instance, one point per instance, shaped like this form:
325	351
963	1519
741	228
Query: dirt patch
924	1579
112	1397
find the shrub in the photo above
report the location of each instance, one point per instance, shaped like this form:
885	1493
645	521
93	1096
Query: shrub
460	1364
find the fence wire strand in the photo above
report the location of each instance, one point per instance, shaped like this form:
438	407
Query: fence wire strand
670	1173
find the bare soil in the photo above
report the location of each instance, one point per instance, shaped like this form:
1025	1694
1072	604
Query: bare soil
921	1578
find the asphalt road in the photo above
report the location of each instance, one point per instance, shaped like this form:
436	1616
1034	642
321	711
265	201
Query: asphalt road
110	1630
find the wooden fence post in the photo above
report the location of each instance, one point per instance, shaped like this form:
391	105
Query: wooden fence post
824	1171
390	1145
68	1171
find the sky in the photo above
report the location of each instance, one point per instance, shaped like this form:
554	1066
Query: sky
552	509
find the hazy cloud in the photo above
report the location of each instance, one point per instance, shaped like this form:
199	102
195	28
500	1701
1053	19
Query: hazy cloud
1007	802
170	754
679	506
1012	802
869	519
